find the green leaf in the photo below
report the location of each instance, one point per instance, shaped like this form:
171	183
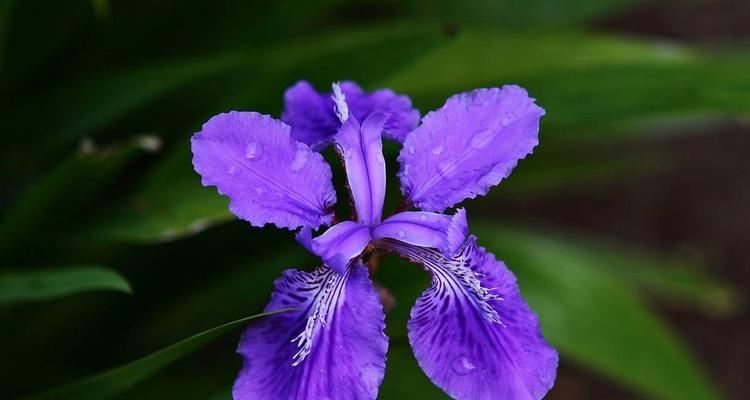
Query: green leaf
595	318
514	14
169	203
49	284
109	384
679	282
65	190
589	84
81	107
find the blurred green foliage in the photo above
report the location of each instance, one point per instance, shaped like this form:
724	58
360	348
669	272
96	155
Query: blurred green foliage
48	284
109	384
99	99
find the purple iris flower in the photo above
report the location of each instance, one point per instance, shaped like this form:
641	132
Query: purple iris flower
472	333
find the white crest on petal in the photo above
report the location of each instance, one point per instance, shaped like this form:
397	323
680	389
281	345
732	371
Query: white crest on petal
340	106
456	272
332	284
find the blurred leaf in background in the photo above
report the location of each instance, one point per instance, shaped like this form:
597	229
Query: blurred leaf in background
113	382
49	284
99	99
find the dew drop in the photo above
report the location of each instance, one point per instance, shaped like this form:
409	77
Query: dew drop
259	190
300	160
401	234
253	151
462	366
232	170
411	150
423	217
508	118
482	138
437	150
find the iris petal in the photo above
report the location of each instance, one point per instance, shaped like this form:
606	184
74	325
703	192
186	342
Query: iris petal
403	118
340	244
425	229
472	333
332	346
314	122
469	145
268	177
310	114
362	151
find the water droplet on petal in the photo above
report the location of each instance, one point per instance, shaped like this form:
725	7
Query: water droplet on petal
482	138
253	151
437	150
508	118
259	190
423	217
401	234
300	160
462	366
232	170
411	150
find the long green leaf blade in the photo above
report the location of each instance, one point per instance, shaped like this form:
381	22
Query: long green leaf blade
588	83
109	384
596	319
68	188
49	284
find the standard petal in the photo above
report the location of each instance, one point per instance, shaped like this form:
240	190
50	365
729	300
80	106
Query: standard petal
332	346
362	151
314	122
472	332
403	118
310	114
467	146
268	177
340	244
425	229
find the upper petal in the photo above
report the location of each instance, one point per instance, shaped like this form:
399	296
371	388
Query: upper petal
473	334
332	346
403	118
268	176
362	151
310	115
468	146
338	245
314	122
425	229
